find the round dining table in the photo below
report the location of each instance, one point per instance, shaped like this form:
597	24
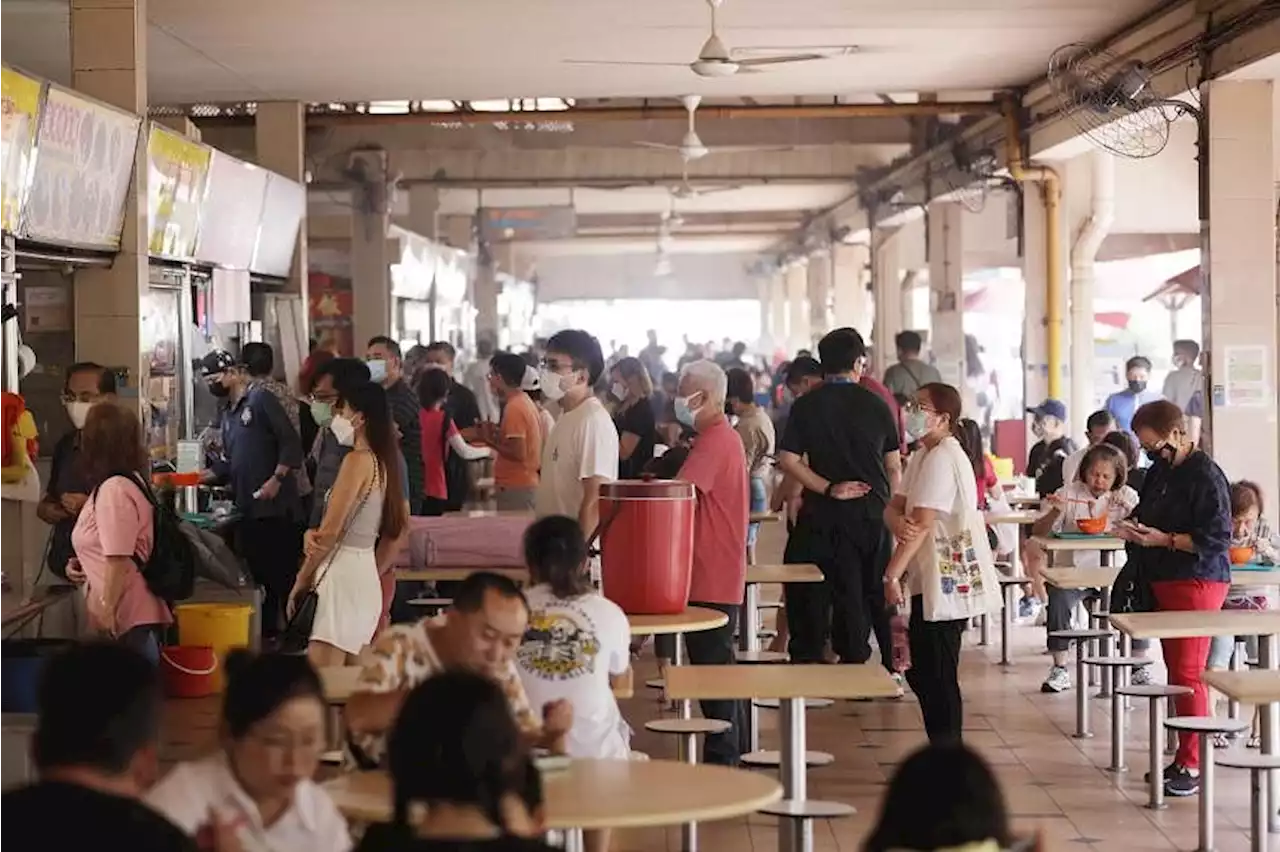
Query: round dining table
590	794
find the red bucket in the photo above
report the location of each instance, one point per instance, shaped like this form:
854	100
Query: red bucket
646	549
187	671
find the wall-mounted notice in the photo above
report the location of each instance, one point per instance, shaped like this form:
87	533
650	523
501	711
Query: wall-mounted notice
177	170
282	214
231	213
1245	376
19	116
83	161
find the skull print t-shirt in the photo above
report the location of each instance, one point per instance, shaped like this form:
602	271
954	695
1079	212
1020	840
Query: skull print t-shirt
571	648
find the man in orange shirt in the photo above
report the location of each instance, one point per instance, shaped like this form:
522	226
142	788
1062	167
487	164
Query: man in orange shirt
517	440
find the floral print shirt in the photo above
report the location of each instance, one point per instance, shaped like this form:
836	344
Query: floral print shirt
403	657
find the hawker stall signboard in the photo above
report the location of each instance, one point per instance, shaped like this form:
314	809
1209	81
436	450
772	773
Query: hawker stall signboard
83	161
232	210
177	170
19	111
283	210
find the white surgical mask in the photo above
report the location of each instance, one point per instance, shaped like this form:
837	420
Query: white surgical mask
619	391
78	411
343	430
377	370
552	385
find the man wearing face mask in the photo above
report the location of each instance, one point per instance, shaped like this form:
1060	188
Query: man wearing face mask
852	444
261	449
386	368
1122	404
86	385
1184	386
582	450
717	467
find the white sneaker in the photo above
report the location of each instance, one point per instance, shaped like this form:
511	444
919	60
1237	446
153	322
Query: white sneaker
1140	676
1059	680
901	683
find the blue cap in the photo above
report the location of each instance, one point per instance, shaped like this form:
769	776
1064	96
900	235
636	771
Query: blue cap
1050	408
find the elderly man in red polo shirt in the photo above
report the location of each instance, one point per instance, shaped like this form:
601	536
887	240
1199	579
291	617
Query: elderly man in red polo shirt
717	468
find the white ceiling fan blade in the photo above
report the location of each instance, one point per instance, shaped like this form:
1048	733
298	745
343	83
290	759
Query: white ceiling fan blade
624	62
749	149
661	146
761	61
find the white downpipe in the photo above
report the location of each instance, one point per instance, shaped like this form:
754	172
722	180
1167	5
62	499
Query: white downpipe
1084	252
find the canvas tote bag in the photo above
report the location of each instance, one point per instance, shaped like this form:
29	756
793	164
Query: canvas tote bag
962	582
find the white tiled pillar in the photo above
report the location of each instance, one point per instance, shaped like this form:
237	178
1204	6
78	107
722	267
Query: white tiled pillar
778	311
280	139
484	294
819	274
946	289
798	332
850	299
1240	317
371	257
886	284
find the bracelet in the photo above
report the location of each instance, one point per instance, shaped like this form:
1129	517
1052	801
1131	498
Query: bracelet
827	491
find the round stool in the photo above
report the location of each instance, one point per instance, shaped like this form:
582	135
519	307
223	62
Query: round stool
687	751
809	703
1205	727
1256	764
1080	638
1119	666
1156	694
796	818
772	759
758	657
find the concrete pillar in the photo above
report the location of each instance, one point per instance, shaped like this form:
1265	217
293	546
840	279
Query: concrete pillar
819	280
1090	202
799	335
180	124
1035	340
424	211
886	284
946	290
484	295
851	300
1240	314
279	132
778	312
371	257
109	62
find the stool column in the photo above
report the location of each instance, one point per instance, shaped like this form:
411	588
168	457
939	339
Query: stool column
1155	799
687	746
1267	659
1206	793
1117	730
1006	618
1082	694
798	833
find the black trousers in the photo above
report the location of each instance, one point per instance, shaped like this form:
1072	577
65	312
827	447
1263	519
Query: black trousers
272	549
715	648
934	675
849	603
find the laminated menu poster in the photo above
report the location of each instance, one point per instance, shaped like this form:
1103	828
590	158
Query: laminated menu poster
177	169
19	111
83	162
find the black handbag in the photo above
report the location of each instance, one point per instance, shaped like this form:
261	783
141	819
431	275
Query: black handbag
1132	591
297	630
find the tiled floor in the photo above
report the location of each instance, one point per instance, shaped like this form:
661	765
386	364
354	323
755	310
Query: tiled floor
1053	783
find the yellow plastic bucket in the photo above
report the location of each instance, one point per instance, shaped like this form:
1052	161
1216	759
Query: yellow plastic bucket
220	626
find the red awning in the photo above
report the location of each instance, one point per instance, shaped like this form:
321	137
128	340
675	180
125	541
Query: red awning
1181	286
1114	319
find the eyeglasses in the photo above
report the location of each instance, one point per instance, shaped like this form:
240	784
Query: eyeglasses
83	396
557	366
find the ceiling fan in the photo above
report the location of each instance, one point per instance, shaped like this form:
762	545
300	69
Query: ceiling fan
685	190
716	60
691	146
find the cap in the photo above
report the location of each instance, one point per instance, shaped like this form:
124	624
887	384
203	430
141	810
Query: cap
217	361
530	381
1050	408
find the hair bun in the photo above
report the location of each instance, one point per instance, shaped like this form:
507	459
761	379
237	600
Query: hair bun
237	662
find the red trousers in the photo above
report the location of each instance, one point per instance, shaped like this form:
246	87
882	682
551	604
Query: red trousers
1185	658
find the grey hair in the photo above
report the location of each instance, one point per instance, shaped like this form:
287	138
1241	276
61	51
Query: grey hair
708	377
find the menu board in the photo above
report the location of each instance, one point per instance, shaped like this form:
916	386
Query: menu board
83	161
231	213
282	214
19	112
177	170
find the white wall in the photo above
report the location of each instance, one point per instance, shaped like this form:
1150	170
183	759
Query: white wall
630	276
1158	195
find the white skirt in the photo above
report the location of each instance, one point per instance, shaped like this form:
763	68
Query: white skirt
350	601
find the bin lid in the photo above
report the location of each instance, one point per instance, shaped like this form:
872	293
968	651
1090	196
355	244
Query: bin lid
647	489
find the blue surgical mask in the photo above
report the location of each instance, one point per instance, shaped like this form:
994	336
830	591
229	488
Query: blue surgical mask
377	369
684	413
322	413
917	424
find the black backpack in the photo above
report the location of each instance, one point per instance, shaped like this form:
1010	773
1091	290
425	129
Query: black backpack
170	570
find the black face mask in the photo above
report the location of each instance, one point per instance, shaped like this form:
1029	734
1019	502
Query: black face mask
1137	386
219	390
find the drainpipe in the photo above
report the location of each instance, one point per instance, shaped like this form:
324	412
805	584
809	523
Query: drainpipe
1084	252
1051	191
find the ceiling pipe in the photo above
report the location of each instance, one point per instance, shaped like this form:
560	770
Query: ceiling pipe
637	113
1050	184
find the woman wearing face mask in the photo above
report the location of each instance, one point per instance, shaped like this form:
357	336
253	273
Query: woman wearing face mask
632	392
938	499
1177	544
440	439
366	507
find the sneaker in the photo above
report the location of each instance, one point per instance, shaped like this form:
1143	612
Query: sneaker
1028	607
1181	783
901	683
1059	680
1141	676
1169	771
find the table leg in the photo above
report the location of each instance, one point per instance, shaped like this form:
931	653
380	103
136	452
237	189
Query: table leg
794	835
1155	798
677	659
1237	665
749	640
1104	602
1104	650
1267	659
1006	621
984	635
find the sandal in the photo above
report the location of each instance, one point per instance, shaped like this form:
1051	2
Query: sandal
1221	741
1254	741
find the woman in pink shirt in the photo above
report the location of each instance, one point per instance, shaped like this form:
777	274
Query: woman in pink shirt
115	527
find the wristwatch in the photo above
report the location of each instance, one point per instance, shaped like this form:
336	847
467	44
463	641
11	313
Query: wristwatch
827	491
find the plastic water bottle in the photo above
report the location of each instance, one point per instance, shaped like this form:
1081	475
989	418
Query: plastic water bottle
900	645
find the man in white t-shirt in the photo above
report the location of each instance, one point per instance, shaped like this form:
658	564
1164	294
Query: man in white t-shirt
581	452
1098	426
